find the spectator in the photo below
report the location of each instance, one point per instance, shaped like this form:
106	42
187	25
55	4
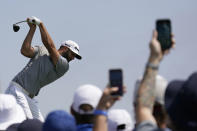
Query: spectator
181	103
145	100
13	127
119	120
10	111
86	98
46	65
158	109
59	120
27	125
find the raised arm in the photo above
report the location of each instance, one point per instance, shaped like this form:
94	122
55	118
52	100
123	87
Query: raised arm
26	49
106	102
47	41
146	97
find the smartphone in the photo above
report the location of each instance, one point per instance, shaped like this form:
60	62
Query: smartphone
116	80
163	27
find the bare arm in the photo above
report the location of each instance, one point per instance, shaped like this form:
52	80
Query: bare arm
146	97
49	44
100	123
106	101
26	49
146	94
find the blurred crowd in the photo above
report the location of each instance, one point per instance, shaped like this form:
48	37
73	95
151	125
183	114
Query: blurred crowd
159	105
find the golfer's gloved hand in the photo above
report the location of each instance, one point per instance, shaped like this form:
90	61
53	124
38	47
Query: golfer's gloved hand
34	20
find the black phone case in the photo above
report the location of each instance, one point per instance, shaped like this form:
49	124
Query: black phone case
163	27
116	80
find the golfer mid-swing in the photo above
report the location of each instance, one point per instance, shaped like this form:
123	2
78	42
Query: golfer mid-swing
46	65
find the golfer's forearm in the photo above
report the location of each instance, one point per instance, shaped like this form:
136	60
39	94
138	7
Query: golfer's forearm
26	48
46	38
48	43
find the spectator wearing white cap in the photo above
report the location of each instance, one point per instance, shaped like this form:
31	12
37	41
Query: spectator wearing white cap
85	100
119	120
10	111
46	65
159	111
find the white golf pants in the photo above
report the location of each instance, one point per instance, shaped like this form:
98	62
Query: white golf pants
28	104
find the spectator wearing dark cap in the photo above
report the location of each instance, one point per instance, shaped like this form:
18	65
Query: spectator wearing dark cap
59	120
181	103
27	125
13	127
85	100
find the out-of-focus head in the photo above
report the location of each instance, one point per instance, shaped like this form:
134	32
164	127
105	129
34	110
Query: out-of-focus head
10	111
59	120
13	127
86	98
30	125
181	103
73	50
119	120
160	87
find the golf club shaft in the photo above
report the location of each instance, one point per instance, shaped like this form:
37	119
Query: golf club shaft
21	21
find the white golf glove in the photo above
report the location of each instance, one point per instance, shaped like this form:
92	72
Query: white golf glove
34	20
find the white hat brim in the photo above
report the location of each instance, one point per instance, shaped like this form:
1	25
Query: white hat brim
18	117
78	56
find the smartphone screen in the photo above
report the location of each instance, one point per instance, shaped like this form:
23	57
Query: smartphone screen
163	27
116	80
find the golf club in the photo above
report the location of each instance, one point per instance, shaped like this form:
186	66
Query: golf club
16	27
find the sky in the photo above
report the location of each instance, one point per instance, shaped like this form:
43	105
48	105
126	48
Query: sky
110	33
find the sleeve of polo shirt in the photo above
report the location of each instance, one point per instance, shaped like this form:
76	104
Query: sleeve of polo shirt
36	50
146	126
62	65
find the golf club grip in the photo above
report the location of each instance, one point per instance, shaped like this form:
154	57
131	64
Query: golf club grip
33	21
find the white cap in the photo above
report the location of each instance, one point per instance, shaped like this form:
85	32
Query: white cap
10	111
117	117
160	88
86	94
73	46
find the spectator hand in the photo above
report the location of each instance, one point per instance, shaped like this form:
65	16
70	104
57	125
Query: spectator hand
107	100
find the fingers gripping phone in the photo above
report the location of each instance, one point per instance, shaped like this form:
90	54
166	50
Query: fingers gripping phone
163	27
116	80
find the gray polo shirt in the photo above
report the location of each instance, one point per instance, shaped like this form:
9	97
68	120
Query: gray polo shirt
40	71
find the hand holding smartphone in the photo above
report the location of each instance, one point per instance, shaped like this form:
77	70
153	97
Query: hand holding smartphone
116	80
163	27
